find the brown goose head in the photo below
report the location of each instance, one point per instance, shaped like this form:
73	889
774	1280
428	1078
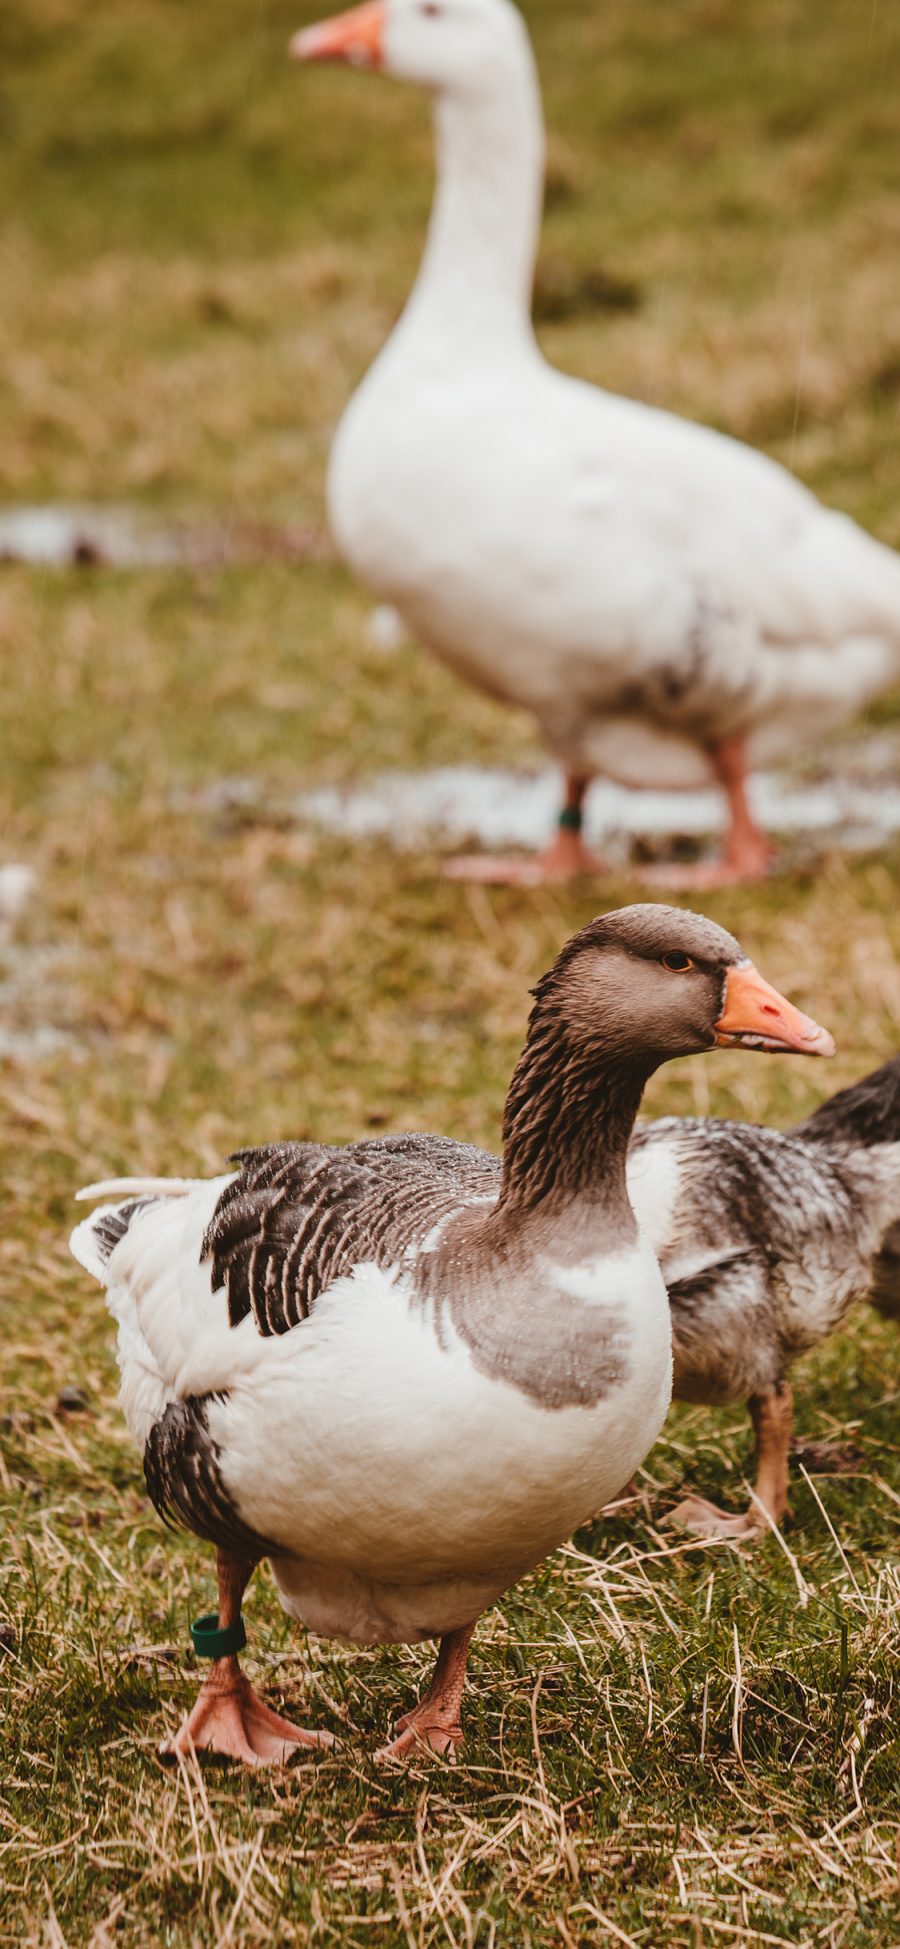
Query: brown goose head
651	982
632	990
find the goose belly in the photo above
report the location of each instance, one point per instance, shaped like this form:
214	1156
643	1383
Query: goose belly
406	1488
422	530
796	697
506	553
568	562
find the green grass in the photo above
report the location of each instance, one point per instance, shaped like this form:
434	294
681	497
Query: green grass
201	248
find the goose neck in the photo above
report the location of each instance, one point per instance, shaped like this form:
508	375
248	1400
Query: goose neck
477	270
570	1112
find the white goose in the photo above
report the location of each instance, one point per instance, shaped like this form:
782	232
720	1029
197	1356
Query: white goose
671	606
397	1373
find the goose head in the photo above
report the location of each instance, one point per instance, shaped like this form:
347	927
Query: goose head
444	45
632	990
654	982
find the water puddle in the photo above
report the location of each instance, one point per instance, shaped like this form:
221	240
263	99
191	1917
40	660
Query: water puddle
460	804
17	885
69	535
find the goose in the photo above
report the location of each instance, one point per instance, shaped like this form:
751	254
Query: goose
399	1376
670	606
867	1117
765	1241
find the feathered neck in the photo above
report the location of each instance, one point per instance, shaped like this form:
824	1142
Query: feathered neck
570	1111
476	274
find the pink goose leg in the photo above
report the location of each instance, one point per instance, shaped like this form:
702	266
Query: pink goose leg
565	858
433	1725
229	1718
771	1415
747	854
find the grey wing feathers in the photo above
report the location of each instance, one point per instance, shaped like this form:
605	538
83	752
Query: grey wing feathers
185	1485
770	1240
885	1292
725	1338
864	1117
744	1185
866	1114
109	1227
298	1216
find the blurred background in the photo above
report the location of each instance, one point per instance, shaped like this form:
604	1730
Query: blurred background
203	246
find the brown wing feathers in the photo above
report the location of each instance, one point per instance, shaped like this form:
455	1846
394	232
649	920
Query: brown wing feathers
299	1216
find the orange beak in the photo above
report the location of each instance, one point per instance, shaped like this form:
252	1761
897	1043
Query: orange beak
356	37
755	1016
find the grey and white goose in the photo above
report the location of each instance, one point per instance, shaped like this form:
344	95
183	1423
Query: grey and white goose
398	1371
765	1241
867	1117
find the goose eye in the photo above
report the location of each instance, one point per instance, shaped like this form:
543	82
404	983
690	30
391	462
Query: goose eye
677	963
430	10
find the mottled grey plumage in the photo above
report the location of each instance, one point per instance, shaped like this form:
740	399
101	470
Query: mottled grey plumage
866	1114
185	1485
771	1239
765	1241
299	1216
111	1225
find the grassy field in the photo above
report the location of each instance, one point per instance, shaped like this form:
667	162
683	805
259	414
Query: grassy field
200	249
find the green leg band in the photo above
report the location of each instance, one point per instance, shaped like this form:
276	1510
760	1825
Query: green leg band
570	818
210	1642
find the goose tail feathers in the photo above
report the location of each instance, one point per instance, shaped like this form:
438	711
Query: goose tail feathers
137	1188
94	1241
863	1116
